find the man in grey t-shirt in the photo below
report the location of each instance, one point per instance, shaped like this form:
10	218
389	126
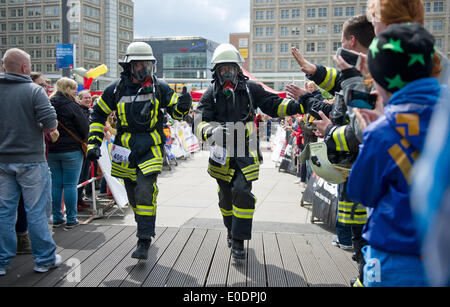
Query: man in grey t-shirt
25	114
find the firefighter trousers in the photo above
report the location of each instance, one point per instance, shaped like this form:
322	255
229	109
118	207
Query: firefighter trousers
142	196
237	205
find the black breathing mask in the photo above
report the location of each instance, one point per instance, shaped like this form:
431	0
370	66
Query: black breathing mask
227	75
142	71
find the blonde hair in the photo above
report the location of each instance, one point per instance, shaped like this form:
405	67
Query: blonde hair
65	86
82	93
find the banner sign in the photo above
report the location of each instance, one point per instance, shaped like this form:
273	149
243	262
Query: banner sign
324	198
64	56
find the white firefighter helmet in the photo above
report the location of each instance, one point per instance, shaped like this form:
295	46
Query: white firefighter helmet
227	53
318	156
139	51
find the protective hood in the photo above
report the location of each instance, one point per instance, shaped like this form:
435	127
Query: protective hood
409	110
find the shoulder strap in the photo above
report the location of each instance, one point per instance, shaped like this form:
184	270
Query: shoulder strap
71	133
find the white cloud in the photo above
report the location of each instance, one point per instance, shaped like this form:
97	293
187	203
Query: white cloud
210	19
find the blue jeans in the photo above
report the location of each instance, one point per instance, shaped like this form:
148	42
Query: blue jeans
32	180
66	169
383	269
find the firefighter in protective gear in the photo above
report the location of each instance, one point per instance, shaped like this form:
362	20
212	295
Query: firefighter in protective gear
138	97
225	118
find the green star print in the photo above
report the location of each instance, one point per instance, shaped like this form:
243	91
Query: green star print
374	47
396	82
394	45
416	58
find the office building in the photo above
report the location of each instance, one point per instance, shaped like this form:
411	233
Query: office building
182	57
100	29
314	27
242	43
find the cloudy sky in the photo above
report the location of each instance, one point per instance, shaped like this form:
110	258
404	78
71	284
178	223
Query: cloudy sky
211	19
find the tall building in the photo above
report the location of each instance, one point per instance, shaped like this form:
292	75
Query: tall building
100	29
242	43
182	57
314	27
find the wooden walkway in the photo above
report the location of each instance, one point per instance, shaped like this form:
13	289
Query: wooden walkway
100	256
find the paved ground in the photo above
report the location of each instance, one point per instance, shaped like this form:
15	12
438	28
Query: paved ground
190	246
188	198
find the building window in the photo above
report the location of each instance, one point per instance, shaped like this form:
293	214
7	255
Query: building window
338	11
322	12
310	47
311	13
438	6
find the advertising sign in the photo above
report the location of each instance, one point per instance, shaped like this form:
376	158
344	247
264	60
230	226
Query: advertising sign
64	56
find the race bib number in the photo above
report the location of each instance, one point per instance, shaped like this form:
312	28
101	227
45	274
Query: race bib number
120	154
218	154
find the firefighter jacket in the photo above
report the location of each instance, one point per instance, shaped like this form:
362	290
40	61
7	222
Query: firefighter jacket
143	135
381	176
214	108
344	136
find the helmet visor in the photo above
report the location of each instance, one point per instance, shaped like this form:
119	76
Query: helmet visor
142	70
228	72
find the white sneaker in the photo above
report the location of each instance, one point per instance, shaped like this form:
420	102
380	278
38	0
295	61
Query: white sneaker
44	269
2	272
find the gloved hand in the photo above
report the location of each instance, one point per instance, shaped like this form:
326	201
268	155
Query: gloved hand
94	154
219	135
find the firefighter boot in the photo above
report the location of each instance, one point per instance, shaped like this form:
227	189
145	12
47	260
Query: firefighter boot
141	251
229	239
237	249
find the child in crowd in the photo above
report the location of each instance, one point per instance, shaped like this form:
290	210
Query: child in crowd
400	61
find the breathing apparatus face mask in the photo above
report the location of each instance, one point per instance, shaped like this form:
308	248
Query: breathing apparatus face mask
142	71
228	78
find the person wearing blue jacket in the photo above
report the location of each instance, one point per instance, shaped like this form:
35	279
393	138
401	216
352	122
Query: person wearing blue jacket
400	62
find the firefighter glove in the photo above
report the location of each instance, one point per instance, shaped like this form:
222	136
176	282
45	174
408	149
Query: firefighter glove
94	153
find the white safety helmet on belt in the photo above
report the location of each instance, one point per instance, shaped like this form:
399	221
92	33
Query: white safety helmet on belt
317	154
227	53
139	51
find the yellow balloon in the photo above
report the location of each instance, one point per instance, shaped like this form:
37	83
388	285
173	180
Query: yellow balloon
96	72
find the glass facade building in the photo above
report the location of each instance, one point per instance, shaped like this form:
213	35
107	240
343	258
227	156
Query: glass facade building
182	57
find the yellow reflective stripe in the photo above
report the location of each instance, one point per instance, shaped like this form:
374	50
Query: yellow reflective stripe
122	115
243	213
219	176
200	128
176	112
173	100
154	114
145	210
336	140
226	212
282	108
333	81
90	146
151	163
302	109
123	168
327	79
253	177
104	106
155	193
342	136
95	138
223	170
125	139
250	169
96	127
156	137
